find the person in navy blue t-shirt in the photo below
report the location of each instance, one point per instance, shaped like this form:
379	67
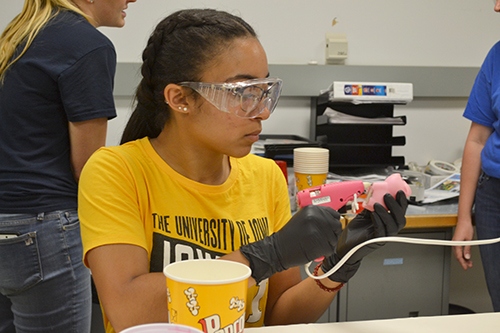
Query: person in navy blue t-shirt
56	96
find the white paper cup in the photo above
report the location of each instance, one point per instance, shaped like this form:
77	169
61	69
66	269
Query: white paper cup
311	160
310	165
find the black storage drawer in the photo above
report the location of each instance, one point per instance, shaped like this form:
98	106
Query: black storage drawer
358	134
341	155
360	144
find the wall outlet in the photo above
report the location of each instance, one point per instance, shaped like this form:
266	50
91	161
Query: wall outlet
336	48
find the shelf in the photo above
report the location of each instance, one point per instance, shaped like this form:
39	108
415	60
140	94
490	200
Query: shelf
323	120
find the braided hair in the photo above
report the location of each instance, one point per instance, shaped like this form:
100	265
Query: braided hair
178	50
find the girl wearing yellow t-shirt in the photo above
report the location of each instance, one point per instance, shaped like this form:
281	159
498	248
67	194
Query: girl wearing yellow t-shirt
183	185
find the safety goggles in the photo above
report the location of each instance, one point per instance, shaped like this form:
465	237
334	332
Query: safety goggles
245	99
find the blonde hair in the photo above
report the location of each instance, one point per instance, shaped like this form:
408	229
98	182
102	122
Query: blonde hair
25	27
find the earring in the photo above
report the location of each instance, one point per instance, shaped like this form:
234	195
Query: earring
185	109
91	1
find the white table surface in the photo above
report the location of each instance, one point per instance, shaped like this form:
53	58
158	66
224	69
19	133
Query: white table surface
480	323
443	207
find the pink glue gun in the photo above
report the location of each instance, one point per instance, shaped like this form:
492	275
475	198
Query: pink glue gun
377	190
336	195
333	195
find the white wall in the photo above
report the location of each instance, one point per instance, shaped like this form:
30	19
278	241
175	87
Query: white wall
388	32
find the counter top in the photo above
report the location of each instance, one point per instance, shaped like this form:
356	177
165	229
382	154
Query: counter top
446	207
437	215
481	322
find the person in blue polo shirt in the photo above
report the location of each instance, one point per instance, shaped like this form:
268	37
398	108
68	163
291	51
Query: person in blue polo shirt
480	174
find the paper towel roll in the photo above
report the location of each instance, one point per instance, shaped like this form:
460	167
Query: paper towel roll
441	168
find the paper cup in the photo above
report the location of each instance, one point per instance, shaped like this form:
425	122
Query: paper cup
209	295
161	328
310	152
311	160
303	180
310	165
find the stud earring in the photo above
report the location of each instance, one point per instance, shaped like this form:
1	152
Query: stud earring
91	1
181	108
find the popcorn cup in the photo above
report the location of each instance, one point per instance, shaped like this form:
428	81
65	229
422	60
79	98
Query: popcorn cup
206	294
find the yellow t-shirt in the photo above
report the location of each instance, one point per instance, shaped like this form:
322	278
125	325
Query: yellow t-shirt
129	195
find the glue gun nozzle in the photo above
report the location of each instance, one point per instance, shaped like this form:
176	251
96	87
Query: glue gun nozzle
367	185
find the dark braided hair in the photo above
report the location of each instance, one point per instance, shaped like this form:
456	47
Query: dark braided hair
179	49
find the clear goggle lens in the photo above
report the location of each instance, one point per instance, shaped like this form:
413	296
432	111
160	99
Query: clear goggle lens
245	99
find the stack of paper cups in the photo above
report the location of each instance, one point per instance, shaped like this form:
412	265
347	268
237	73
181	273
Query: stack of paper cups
310	165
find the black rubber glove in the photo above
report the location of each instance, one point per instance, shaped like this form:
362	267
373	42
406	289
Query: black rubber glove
366	225
311	233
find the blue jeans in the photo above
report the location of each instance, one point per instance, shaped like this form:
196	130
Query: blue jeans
44	285
487	217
